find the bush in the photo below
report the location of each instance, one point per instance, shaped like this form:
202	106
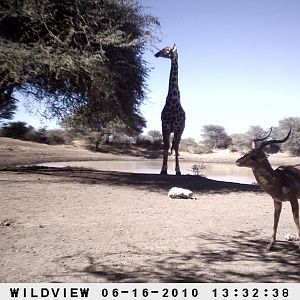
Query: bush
143	141
16	130
23	131
56	137
293	143
233	148
155	136
197	169
215	136
202	149
188	145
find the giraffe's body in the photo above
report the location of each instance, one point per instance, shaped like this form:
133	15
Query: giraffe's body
173	115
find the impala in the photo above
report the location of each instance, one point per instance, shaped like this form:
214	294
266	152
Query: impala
282	184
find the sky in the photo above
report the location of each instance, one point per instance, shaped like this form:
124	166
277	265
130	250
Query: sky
239	63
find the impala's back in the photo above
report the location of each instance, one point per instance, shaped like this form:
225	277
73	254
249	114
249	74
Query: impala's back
292	174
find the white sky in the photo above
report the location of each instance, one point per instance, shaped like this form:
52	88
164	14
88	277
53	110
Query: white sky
239	63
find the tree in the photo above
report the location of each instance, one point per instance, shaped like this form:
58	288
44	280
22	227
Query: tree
156	135
293	143
8	104
99	131
76	56
255	132
188	144
239	142
16	130
243	141
214	136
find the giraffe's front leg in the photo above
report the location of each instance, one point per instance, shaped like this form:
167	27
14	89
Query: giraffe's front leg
177	168
166	139
176	148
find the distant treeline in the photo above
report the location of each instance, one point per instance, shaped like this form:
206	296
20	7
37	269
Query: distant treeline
212	137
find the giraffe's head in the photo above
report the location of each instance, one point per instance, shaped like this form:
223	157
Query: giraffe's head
167	52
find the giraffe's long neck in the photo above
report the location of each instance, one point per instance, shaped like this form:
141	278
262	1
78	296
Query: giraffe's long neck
173	93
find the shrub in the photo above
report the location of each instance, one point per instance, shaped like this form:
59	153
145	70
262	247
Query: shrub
56	137
23	131
197	169
143	141
202	149
16	130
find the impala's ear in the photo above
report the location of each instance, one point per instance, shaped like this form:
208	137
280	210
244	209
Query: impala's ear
174	48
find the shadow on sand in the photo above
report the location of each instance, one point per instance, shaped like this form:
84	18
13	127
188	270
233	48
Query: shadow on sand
150	182
238	258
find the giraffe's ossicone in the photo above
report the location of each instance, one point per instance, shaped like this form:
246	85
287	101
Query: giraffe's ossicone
173	115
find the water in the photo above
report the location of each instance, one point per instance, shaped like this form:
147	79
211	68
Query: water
218	171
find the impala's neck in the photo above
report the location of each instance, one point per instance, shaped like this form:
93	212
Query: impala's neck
264	174
173	93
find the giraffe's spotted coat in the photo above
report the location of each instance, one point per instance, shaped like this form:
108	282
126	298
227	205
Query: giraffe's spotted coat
173	115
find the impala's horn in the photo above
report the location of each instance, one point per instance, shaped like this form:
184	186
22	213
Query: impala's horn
264	144
254	142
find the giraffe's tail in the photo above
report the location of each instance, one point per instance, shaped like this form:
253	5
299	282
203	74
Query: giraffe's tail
172	147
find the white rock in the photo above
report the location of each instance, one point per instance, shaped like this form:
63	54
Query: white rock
180	193
291	237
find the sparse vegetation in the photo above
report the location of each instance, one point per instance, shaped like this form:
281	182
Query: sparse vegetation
215	137
242	142
197	169
118	133
293	144
23	131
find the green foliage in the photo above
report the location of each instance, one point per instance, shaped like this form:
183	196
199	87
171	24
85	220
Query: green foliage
243	141
239	142
255	132
201	149
23	131
197	169
95	139
191	146
187	145
16	130
8	104
100	132
293	143
214	136
79	58
56	137
144	141
155	135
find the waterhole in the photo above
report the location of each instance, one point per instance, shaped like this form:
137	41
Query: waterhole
228	172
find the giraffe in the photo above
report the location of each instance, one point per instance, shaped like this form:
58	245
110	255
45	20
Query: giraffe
172	115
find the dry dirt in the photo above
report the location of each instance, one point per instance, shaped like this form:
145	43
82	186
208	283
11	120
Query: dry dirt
79	225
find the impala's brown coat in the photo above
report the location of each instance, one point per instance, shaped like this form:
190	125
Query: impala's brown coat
282	184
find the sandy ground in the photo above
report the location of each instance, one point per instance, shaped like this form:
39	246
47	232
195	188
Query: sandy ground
78	225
